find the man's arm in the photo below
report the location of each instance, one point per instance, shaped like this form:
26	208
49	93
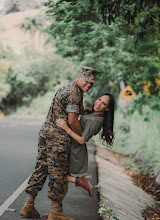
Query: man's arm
74	123
82	109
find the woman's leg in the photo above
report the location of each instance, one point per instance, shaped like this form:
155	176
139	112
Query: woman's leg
70	179
82	182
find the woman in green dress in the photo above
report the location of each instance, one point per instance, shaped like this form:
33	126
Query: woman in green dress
100	115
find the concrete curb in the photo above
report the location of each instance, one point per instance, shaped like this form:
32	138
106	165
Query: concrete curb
117	190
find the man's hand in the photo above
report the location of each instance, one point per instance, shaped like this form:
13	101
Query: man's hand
74	123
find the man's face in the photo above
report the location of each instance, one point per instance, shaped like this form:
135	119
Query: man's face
83	84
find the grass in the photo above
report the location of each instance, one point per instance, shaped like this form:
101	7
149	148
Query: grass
102	211
142	135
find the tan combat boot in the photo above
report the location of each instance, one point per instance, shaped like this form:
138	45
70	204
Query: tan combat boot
65	191
56	212
28	210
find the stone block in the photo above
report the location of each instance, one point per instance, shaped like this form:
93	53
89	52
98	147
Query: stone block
158	179
157	170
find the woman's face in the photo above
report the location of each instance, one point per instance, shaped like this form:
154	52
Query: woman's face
101	104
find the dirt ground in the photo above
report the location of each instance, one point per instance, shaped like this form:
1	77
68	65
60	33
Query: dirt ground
118	193
148	184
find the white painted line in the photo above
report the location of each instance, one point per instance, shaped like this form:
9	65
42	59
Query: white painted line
13	197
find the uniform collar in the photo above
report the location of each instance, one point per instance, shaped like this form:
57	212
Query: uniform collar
81	92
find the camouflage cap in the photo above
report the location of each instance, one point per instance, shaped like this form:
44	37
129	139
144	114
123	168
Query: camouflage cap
89	73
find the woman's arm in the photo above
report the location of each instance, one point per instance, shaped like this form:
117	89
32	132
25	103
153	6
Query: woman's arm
62	124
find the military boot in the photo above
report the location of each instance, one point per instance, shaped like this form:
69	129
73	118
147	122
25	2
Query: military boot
65	191
56	212
28	210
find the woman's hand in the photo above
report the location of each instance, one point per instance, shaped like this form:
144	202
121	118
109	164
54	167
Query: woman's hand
62	124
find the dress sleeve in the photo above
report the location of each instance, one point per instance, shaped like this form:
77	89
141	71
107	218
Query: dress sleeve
92	128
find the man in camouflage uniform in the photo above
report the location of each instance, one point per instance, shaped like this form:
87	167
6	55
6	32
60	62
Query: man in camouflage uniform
54	145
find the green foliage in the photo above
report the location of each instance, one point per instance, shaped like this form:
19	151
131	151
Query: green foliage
143	13
76	21
34	24
38	107
143	134
31	74
5	55
18	90
80	34
103	210
98	187
5	51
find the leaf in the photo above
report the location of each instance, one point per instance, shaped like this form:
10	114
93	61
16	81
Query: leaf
158	202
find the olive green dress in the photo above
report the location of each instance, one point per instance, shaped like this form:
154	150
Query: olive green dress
78	159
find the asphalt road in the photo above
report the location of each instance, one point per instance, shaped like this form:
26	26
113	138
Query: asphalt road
18	150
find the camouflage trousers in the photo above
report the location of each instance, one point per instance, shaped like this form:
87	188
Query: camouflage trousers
52	160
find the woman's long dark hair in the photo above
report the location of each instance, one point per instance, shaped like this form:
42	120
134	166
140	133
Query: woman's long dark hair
107	132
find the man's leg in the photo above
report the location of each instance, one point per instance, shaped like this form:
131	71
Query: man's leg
78	181
64	194
57	171
36	181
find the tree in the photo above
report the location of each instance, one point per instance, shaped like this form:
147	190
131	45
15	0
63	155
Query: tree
80	34
143	13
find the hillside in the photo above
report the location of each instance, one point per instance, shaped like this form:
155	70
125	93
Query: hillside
13	14
11	6
13	36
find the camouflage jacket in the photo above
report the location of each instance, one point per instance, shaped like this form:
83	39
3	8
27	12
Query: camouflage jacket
68	98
